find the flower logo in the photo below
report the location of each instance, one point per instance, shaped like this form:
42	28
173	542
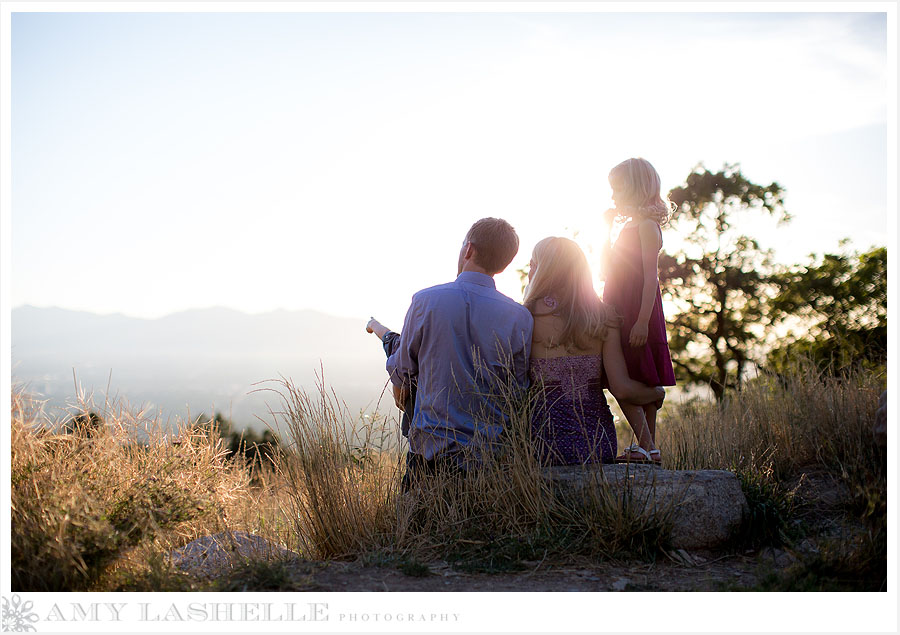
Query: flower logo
18	616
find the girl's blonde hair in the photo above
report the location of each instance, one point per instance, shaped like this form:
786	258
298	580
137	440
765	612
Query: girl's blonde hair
560	274
638	186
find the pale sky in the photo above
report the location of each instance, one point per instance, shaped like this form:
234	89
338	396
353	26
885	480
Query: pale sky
331	161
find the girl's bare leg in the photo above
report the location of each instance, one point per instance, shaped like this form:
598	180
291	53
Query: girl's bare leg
376	327
650	411
638	422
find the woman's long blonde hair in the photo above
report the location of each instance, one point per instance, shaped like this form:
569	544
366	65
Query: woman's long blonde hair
560	272
639	188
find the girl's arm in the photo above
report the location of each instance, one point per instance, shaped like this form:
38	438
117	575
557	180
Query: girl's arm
621	385
650	246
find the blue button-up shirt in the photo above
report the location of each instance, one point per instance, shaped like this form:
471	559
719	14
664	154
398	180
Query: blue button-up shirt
460	342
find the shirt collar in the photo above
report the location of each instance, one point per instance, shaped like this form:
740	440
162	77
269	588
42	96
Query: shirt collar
473	277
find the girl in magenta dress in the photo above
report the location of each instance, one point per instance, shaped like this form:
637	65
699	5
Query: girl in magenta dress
632	287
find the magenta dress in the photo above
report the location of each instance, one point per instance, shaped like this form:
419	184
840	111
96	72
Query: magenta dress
651	363
572	423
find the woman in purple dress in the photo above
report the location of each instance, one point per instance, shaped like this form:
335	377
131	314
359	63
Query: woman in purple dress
632	287
575	350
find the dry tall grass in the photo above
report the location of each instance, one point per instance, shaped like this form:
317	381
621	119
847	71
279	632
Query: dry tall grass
345	500
774	433
101	504
782	425
104	496
340	474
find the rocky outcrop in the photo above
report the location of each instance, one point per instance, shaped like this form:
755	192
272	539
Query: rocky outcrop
211	555
705	507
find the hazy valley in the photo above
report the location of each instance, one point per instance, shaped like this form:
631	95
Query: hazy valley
195	361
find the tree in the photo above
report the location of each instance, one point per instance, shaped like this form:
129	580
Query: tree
839	304
722	280
255	447
83	424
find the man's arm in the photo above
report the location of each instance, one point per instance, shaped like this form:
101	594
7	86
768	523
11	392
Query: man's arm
403	364
522	353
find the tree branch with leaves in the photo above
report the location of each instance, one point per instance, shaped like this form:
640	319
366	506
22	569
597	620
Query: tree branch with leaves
722	280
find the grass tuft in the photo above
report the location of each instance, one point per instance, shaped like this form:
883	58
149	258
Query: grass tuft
85	503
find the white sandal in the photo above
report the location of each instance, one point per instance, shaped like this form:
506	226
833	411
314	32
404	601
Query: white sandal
639	450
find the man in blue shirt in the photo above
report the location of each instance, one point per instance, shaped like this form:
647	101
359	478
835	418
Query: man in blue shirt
460	342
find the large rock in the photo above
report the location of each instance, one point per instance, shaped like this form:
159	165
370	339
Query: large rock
211	555
707	506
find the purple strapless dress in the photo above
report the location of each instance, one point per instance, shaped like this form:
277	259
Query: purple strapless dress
572	423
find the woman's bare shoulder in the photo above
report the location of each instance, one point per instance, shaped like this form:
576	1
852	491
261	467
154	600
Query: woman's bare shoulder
546	325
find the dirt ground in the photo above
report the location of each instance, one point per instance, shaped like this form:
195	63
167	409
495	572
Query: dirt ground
675	572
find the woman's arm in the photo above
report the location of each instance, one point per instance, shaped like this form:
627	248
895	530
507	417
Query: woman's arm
623	387
650	246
